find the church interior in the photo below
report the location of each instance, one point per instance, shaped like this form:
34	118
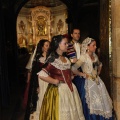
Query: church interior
24	22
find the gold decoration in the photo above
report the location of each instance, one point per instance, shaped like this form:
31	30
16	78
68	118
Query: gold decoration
41	26
60	25
21	26
22	41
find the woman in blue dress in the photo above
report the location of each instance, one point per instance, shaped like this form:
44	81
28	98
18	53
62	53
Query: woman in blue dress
97	105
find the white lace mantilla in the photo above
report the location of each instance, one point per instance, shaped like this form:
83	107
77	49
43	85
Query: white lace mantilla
87	65
98	99
60	65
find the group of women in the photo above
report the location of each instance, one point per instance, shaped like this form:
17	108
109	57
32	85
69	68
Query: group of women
52	94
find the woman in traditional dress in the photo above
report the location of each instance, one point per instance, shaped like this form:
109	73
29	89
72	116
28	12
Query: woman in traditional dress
61	100
97	105
37	61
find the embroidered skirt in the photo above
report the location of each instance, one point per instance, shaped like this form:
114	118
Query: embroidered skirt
59	103
85	95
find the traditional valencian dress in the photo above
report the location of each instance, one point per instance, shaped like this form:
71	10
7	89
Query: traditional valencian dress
60	102
42	88
35	99
97	104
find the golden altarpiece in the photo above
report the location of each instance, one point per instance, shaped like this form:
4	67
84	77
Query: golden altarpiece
40	23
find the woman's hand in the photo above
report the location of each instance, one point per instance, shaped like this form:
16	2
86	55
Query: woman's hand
56	82
73	60
84	75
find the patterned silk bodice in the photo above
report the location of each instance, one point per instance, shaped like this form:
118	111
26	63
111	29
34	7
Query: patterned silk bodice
59	70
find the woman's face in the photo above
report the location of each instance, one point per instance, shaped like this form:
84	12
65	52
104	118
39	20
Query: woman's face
46	46
92	47
63	45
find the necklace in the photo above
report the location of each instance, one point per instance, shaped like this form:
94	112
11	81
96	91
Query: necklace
60	55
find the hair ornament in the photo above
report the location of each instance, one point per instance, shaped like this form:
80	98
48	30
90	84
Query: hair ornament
85	43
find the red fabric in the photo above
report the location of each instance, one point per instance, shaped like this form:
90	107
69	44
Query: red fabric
25	99
57	74
41	65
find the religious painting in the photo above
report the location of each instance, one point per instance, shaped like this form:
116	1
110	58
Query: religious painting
41	25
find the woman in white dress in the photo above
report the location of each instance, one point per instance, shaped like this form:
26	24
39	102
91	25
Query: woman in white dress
97	105
61	100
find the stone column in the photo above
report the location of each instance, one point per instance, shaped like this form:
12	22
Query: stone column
104	42
116	55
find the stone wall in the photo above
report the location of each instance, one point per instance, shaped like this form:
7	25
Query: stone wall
116	55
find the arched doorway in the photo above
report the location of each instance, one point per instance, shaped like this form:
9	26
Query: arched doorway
35	22
9	19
